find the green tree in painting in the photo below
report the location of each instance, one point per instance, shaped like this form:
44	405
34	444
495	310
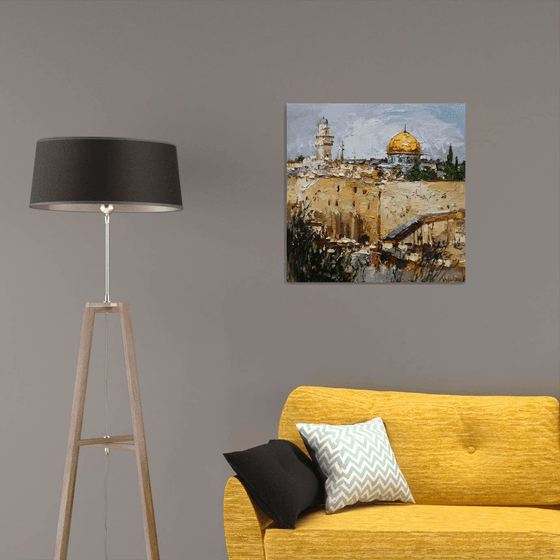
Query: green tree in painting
449	172
421	174
309	257
462	171
428	174
415	174
300	158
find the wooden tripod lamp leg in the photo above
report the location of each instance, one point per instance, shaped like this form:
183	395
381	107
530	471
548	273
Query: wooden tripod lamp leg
139	438
76	420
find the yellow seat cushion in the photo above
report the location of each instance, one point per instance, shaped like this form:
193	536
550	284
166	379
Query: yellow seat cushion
451	449
417	532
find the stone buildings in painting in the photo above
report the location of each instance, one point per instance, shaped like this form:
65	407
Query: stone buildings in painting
368	208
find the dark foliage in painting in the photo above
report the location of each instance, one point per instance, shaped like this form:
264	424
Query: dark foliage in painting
309	256
453	171
430	270
421	174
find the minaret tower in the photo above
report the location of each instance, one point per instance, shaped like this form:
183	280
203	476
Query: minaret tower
324	140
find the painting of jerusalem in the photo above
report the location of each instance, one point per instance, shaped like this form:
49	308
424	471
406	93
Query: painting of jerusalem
376	192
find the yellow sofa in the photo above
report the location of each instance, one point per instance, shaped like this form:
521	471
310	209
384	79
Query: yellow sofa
484	472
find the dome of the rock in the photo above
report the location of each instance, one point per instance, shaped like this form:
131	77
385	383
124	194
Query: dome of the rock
404	143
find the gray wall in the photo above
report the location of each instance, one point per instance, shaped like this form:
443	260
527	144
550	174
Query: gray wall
221	338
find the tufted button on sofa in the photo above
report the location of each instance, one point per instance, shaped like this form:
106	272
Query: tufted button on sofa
484	472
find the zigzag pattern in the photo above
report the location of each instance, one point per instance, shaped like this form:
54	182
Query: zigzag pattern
358	462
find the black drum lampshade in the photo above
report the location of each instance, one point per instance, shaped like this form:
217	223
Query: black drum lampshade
79	174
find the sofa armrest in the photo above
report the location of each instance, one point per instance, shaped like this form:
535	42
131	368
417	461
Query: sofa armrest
244	523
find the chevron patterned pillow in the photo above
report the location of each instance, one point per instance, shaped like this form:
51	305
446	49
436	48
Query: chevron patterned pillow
357	462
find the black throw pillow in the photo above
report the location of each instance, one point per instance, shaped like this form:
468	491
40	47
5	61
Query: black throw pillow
280	478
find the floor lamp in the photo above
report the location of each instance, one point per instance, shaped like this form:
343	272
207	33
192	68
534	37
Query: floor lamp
105	175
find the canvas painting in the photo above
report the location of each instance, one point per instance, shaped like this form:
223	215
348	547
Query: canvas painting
376	192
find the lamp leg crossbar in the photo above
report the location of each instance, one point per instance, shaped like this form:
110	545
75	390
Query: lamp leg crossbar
135	442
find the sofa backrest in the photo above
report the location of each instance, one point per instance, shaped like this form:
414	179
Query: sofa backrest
463	450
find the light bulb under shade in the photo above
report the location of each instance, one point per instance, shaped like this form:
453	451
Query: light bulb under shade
79	174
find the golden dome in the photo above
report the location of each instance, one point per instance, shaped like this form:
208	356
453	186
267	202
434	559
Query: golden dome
404	143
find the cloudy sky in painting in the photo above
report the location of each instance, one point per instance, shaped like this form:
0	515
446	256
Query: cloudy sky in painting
367	128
